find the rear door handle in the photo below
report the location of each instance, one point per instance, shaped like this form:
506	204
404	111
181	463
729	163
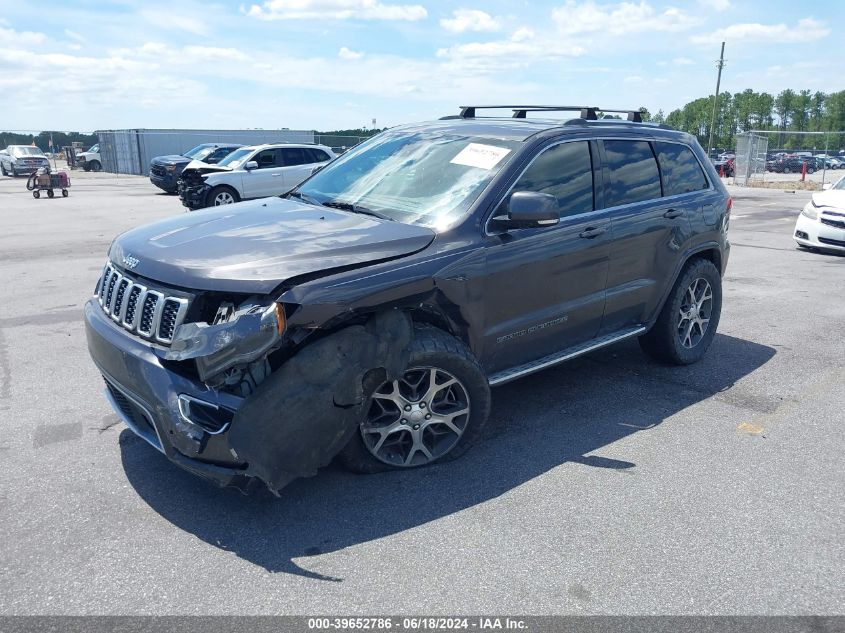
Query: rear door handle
672	214
592	232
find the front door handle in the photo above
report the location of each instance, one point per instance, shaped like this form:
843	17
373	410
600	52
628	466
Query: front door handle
671	214
592	232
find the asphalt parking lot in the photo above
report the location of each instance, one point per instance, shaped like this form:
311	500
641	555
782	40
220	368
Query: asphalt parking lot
610	485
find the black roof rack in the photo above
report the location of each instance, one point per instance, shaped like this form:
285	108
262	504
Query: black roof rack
588	113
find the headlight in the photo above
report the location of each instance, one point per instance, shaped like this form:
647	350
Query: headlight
810	211
171	168
245	336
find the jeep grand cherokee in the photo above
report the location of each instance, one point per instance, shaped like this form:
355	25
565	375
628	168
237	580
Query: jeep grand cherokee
367	312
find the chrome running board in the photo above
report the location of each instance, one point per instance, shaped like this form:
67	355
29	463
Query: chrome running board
513	373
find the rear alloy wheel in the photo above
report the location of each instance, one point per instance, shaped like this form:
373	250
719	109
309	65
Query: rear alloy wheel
222	195
787	170
433	412
688	320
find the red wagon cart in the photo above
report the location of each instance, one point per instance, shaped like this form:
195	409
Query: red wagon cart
45	180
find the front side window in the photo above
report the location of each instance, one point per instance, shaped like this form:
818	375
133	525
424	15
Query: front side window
564	171
317	155
680	170
417	177
265	158
633	172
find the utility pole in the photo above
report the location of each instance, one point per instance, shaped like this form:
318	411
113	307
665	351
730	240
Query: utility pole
720	64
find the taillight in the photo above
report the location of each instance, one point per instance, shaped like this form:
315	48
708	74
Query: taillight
730	205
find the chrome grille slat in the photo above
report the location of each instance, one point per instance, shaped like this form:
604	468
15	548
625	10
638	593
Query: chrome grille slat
148	313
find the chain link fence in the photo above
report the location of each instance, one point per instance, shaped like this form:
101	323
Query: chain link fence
750	162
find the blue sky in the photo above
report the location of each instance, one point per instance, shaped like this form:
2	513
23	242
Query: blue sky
326	64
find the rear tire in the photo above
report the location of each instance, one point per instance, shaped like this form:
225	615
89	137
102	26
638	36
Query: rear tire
3	169
689	318
434	355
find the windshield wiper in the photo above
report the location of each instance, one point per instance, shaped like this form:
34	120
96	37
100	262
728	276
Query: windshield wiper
348	206
302	196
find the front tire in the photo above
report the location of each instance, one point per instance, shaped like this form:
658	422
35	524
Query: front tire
221	195
687	323
3	169
434	412
94	165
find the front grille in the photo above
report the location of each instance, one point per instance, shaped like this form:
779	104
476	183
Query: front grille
839	224
148	313
158	171
825	240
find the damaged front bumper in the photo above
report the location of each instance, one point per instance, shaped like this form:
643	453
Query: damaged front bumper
180	417
293	423
193	196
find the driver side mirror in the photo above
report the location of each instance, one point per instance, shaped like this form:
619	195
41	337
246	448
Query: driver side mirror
532	206
250	165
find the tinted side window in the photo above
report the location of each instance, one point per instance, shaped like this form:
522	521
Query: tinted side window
679	168
265	158
566	172
317	155
294	156
633	172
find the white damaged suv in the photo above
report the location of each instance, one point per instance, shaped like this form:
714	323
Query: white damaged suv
257	171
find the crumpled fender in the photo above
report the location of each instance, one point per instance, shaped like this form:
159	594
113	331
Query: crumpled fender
300	417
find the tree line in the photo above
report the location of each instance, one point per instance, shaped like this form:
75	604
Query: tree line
42	139
788	111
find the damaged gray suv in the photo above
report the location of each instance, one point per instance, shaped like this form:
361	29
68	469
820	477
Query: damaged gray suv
366	313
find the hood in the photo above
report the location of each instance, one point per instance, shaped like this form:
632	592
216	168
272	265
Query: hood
204	168
173	159
252	247
831	198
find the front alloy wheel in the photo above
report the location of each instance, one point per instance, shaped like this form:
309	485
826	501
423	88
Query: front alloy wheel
694	313
417	419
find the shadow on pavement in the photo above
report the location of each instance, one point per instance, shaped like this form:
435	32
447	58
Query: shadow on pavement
537	423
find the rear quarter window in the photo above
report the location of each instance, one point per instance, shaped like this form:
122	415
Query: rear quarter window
633	172
679	168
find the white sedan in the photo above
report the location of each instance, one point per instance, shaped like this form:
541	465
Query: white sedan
821	224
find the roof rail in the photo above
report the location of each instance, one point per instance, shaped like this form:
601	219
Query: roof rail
519	111
588	113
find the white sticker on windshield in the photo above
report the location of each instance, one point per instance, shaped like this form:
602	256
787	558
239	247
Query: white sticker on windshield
482	156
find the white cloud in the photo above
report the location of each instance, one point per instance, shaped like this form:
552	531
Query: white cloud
578	18
336	10
175	21
633	79
718	5
75	36
345	53
522	48
807	30
17	39
464	20
682	61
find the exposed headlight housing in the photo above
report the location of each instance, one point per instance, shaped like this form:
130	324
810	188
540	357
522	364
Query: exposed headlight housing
170	168
246	334
810	211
